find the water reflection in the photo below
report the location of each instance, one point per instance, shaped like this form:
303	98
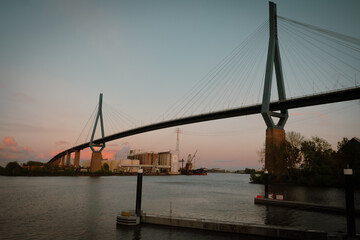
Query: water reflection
86	207
150	232
279	216
330	222
326	196
128	232
92	199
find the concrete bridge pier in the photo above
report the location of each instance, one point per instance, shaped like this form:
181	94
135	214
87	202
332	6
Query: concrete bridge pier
274	161
77	159
68	159
57	162
95	164
62	161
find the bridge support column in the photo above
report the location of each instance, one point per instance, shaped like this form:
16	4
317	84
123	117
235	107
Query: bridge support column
96	157
62	161
68	159
274	162
77	159
275	133
95	164
57	162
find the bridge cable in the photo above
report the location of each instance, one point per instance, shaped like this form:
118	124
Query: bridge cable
294	75
208	80
87	122
116	125
325	31
214	84
93	124
123	117
326	59
240	72
321	57
245	63
304	62
302	36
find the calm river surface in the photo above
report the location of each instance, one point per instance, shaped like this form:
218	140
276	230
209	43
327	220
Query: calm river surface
86	207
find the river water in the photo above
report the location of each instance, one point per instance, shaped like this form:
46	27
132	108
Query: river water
86	207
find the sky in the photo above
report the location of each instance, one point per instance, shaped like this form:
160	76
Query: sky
56	57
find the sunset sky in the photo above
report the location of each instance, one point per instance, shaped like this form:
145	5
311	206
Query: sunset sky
56	57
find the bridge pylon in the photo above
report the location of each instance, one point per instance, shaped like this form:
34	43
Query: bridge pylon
275	133
96	156
76	163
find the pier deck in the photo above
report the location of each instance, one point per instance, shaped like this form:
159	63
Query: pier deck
275	232
304	206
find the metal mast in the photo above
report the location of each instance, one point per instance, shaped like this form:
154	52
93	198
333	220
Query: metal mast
99	115
273	60
177	139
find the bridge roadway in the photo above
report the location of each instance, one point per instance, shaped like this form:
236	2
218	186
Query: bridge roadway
306	101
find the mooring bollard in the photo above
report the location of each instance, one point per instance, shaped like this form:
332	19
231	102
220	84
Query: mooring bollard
266	183
349	198
132	217
139	192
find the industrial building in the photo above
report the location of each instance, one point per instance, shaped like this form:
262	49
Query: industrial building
123	165
147	160
170	161
127	166
150	162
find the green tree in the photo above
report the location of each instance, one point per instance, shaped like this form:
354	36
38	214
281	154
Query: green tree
291	149
349	152
13	168
2	171
317	154
106	168
342	144
33	163
261	154
249	170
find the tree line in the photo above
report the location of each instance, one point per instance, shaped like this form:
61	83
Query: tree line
313	162
34	168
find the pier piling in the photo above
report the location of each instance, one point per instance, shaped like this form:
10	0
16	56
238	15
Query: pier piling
139	192
349	198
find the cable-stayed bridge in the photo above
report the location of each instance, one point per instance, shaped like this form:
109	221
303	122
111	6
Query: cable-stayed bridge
329	75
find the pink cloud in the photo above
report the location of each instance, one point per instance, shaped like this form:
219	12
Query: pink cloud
9	141
318	114
10	146
55	152
9	150
41	156
86	154
62	142
106	154
109	153
27	149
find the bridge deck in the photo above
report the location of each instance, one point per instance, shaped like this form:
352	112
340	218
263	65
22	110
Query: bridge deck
306	101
